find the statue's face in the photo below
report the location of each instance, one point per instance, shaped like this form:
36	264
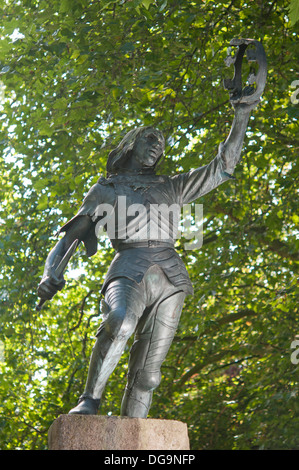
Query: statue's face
148	148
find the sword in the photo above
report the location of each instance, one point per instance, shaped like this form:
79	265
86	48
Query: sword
61	267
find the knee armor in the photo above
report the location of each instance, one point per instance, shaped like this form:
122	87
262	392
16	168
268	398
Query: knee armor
147	380
117	322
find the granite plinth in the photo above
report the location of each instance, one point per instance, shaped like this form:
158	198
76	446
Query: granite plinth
95	432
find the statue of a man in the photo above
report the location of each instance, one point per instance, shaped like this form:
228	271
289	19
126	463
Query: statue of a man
147	282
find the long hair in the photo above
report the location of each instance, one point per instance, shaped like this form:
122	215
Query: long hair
119	156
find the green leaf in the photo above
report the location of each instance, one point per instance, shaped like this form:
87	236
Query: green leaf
147	3
294	11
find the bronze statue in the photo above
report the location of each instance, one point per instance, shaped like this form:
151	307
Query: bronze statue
147	282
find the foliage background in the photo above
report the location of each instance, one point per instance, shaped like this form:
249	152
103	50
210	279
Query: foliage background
76	75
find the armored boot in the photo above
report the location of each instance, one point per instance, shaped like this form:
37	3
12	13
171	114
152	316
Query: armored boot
86	406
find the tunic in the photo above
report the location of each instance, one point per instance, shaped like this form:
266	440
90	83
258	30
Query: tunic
141	215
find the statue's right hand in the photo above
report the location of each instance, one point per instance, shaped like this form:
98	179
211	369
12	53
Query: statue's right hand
49	285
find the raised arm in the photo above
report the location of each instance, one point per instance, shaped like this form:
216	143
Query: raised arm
230	150
196	183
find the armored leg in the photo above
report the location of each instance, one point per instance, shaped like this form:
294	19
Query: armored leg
152	342
123	305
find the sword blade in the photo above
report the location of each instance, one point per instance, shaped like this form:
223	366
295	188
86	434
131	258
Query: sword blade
61	267
63	263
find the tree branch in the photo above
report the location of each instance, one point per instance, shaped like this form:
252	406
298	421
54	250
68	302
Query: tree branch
232	317
213	358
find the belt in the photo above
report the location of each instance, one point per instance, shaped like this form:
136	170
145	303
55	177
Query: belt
144	244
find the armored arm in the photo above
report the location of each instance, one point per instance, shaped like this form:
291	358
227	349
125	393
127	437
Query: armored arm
230	150
52	280
80	228
200	181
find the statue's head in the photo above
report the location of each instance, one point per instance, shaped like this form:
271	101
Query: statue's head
140	150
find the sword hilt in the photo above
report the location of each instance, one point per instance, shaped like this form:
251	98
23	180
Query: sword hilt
40	304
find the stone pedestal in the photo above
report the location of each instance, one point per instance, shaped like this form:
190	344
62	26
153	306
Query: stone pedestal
93	432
